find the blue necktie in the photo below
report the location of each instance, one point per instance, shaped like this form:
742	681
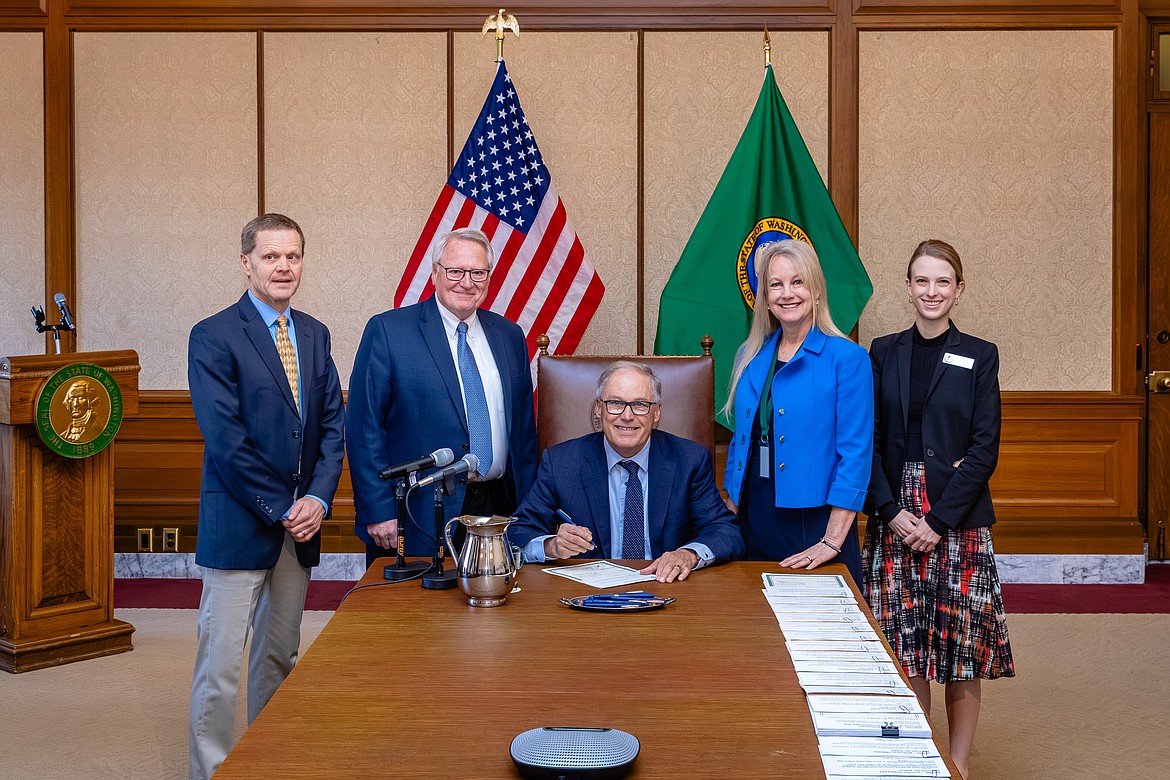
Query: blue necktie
479	423
633	526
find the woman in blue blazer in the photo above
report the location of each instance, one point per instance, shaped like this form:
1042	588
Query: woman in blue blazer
931	579
801	395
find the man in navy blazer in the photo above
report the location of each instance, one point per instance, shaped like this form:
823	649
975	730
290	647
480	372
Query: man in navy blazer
420	374
629	492
268	402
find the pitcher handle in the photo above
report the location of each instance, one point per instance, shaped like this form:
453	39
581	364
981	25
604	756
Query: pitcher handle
447	537
517	557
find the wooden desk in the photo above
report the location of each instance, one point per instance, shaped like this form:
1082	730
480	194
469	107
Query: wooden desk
405	682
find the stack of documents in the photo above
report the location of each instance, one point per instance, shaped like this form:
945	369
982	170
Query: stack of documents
868	720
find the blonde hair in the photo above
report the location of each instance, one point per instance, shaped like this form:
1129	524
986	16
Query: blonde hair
764	323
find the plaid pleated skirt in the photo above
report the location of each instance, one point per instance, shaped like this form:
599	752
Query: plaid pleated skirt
941	611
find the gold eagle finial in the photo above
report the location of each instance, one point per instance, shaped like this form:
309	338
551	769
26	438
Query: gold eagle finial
499	23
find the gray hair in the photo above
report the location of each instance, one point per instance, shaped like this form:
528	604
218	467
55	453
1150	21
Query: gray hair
630	365
463	234
269	221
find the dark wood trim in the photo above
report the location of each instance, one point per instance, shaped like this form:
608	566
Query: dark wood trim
968	7
260	130
60	252
844	119
521	8
450	101
641	218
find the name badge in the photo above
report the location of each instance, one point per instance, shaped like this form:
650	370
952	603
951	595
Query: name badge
951	359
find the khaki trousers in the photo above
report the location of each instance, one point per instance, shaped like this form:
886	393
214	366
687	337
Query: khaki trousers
265	605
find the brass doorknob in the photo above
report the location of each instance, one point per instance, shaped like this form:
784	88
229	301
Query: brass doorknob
1164	384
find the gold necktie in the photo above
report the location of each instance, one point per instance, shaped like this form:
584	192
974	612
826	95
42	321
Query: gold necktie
288	357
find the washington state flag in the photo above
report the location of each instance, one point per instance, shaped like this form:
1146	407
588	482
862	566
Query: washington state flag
770	190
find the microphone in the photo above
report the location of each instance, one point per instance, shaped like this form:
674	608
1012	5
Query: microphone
440	457
66	317
467	463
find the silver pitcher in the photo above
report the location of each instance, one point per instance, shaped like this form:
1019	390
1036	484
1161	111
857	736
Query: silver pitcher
488	563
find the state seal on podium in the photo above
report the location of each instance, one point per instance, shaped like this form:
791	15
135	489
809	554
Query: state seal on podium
79	410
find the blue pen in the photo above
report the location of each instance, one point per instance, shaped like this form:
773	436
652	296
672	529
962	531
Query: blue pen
564	516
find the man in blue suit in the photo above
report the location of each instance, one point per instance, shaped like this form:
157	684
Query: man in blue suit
442	373
631	491
268	402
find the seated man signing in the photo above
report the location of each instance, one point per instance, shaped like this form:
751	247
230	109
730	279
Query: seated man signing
629	492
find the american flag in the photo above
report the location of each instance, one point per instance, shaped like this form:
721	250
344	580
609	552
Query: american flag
542	279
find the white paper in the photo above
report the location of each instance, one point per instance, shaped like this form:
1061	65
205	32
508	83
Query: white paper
883	766
841	633
835	656
601	574
869	704
862	724
903	690
854	680
821	618
873	646
878	746
870	667
827	584
831	606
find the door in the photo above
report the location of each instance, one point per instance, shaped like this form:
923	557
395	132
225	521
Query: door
1158	304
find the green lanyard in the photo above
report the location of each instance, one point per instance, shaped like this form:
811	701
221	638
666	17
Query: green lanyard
766	398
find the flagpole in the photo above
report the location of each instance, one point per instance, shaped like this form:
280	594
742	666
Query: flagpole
767	48
499	23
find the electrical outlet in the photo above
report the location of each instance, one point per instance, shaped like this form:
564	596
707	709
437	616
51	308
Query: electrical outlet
145	540
170	540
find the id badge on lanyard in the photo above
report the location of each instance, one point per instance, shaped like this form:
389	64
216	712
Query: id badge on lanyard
766	419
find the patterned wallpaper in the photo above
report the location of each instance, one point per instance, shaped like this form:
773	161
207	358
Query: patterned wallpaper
700	90
579	94
166	177
345	157
1001	144
22	192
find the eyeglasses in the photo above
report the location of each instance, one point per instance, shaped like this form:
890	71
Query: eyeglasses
618	408
457	274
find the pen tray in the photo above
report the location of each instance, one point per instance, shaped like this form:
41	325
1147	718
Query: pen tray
580	602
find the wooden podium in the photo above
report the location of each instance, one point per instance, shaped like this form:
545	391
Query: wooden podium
56	524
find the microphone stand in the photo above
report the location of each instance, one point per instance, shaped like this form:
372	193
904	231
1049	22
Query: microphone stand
402	569
438	579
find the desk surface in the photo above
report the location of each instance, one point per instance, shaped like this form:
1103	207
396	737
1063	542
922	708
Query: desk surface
405	682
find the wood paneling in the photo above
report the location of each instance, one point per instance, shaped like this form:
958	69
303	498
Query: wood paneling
33	7
986	7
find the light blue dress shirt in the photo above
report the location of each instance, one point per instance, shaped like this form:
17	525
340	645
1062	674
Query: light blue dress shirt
618	479
269	315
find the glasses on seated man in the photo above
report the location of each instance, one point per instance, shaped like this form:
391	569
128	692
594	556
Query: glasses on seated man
616	407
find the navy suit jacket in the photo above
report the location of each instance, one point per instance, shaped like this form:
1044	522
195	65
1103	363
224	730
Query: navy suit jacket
258	452
683	506
960	427
405	402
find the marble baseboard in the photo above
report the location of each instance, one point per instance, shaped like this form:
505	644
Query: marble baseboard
1021	569
1071	569
178	566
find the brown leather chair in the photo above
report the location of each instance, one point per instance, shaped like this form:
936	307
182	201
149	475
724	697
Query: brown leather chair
567	387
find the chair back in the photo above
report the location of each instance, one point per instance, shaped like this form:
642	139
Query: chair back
567	388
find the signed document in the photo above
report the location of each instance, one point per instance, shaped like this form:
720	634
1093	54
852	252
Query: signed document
601	574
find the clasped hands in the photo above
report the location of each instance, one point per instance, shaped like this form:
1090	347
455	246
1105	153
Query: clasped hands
304	519
914	532
572	540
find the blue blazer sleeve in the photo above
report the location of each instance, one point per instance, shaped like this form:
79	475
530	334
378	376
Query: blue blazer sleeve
854	435
370	395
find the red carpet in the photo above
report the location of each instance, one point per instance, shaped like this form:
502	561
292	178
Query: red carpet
184	594
1153	597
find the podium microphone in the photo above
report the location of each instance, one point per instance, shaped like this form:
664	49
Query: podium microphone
440	457
66	315
467	463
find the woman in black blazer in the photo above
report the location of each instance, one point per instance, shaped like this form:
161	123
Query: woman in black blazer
930	568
